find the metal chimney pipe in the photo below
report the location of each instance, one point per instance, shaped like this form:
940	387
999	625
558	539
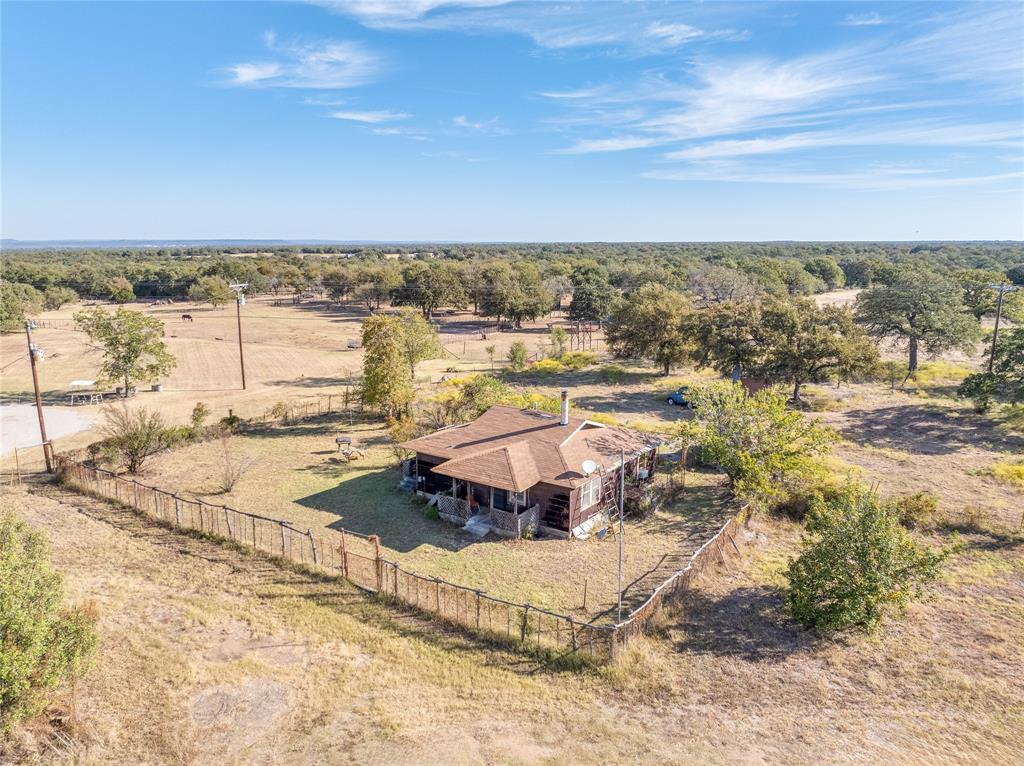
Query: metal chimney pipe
565	406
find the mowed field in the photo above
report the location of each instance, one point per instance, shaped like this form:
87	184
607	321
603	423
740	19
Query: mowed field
293	353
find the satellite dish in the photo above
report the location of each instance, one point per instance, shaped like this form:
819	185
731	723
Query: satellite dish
589	466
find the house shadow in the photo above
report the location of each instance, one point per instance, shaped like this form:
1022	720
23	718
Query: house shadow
749	623
371	503
926	430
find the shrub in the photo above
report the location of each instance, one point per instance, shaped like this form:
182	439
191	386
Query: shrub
547	367
131	437
613	373
517	355
577	360
229	424
1012	473
280	411
856	564
917	511
42	644
431	512
199	415
233	467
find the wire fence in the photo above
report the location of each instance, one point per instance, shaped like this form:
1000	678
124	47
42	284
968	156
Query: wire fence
358	558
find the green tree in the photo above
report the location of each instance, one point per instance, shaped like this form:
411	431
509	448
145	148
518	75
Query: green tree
42	643
978	297
133	349
514	292
16	302
651	323
419	340
828	271
212	290
593	296
921	309
121	290
856	565
764	448
386	385
805	343
431	286
517	356
713	283
1006	381
55	297
728	337
559	337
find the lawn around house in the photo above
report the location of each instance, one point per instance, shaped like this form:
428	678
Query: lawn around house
298	476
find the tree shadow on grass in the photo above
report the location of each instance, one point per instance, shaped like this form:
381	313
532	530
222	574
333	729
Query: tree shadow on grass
314	381
926	430
749	623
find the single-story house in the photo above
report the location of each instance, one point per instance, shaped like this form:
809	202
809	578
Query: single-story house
527	468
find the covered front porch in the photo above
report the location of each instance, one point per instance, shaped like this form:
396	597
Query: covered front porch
481	508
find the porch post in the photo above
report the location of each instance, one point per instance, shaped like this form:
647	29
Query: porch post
491	501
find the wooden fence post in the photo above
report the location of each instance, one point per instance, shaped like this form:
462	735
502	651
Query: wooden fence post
344	555
396	580
253	520
572	628
478	610
177	510
227	523
522	627
282	539
376	552
312	544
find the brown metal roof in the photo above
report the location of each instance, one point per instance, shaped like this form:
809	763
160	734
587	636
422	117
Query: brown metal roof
510	467
507	447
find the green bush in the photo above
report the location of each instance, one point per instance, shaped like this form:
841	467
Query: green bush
857	564
547	367
613	373
517	355
431	512
42	644
577	360
917	511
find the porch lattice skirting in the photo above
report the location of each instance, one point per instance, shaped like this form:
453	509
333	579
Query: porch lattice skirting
509	524
453	510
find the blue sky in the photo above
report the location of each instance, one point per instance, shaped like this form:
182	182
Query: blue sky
478	120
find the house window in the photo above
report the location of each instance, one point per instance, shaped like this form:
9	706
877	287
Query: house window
589	493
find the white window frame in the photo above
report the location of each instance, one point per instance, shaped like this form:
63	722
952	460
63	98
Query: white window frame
592	488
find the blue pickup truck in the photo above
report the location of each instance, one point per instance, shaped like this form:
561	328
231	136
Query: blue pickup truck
678	398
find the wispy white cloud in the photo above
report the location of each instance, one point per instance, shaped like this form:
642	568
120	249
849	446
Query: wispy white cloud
383	12
915	134
324	65
413	134
872	19
673	33
639	27
372	117
489	127
880	178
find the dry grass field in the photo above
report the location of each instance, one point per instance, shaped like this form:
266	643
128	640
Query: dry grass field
212	656
297	476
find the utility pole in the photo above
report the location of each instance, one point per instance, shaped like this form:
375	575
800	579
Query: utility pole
239	302
622	505
1003	289
32	351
